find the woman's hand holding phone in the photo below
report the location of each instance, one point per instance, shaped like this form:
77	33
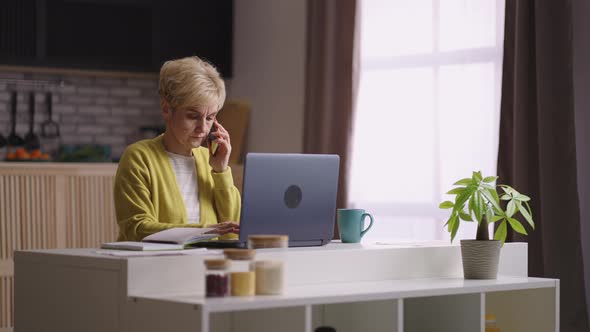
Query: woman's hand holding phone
219	157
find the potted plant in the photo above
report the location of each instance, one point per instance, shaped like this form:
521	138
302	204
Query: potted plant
476	200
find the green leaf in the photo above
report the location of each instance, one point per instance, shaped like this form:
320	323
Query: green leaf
523	198
490	179
506	197
471	207
495	195
482	204
516	226
496	218
477	207
511	208
454	229
530	215
487	186
489	214
450	222
465	216
456	191
525	213
509	190
477	176
501	232
462	198
492	197
446	205
463	182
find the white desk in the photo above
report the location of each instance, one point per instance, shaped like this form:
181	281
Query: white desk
351	287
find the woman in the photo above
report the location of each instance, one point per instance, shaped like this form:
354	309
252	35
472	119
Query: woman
171	181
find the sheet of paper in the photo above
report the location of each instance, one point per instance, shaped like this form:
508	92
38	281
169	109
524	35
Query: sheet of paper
128	253
141	246
181	235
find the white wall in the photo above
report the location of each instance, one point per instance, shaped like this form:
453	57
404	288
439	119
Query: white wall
581	10
269	71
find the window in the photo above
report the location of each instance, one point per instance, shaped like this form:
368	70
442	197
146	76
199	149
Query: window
427	111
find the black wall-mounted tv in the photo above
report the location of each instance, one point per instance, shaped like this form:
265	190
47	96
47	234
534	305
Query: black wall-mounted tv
133	35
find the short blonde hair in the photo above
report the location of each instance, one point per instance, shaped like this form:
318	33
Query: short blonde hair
191	82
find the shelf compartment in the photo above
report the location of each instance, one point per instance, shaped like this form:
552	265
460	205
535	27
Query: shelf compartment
289	319
373	316
452	313
533	309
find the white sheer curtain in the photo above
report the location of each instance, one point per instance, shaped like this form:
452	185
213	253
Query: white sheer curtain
427	112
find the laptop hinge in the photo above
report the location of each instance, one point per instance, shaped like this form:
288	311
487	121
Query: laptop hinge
306	243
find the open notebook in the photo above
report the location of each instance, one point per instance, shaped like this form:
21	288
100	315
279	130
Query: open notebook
170	239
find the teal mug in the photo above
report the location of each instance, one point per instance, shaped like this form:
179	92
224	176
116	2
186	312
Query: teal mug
351	223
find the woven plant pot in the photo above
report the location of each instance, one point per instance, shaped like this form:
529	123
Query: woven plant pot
480	258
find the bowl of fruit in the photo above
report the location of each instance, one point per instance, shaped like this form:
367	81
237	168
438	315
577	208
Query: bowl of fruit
21	154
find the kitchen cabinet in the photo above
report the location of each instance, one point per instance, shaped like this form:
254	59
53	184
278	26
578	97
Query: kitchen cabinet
54	205
51	205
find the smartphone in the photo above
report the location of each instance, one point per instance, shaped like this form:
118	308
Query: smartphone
211	140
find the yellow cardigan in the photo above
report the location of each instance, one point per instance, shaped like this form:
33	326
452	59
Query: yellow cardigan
148	200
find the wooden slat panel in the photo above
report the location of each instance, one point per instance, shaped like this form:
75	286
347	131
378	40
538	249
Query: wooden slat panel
50	206
90	217
71	205
10	208
3	219
16	222
111	229
60	211
85	220
26	214
6	301
13	222
23	215
52	217
70	213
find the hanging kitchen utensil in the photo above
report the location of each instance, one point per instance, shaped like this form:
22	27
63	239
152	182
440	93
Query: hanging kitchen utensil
3	148
13	139
32	140
49	128
2	141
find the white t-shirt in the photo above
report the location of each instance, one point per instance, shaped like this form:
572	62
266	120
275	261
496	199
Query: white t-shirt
186	175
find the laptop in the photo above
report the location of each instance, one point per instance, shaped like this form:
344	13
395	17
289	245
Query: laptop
288	194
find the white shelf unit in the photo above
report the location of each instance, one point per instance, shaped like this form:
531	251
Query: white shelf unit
406	287
415	305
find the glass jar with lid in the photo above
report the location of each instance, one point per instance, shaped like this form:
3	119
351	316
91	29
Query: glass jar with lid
270	269
269	277
217	278
242	276
268	241
491	324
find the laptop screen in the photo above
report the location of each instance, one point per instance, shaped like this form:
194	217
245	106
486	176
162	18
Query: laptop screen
290	194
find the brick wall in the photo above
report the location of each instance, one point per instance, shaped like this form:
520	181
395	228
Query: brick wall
89	110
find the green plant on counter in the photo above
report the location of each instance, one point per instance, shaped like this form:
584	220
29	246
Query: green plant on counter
479	194
84	153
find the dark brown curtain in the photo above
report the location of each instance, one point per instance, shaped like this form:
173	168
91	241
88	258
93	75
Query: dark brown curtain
331	82
537	153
